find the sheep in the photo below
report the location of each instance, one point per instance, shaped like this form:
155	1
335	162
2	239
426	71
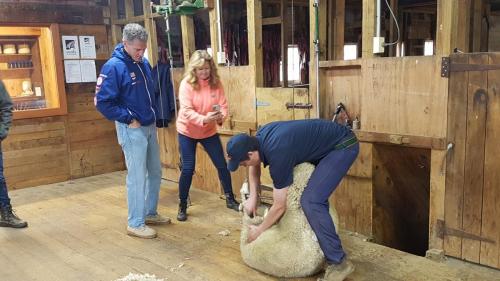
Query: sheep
290	247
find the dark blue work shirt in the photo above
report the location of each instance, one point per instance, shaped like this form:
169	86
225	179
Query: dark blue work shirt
285	144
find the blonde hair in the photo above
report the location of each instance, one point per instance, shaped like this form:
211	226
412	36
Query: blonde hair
197	60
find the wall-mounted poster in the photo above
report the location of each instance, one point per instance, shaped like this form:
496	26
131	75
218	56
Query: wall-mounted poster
87	47
88	70
72	71
70	47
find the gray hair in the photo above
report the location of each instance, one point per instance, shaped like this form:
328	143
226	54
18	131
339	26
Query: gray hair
133	31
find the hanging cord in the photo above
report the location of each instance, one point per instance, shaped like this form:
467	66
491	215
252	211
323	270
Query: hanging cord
396	22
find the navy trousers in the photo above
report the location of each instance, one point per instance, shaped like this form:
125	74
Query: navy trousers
213	146
4	196
324	180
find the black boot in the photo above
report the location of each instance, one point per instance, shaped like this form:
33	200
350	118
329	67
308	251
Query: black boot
9	219
231	203
182	215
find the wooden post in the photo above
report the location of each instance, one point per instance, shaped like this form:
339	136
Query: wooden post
254	21
150	26
188	44
129	8
339	30
392	29
214	33
368	28
284	42
476	26
452	26
116	31
322	48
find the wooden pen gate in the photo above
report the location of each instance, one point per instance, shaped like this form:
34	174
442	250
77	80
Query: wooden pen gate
471	228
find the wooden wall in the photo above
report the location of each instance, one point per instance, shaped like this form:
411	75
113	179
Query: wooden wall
81	143
388	94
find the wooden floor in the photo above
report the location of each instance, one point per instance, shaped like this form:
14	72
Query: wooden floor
77	232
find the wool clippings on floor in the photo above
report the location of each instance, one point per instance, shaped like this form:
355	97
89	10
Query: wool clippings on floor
140	277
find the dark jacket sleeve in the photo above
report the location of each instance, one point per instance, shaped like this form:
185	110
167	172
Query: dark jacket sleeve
5	111
107	91
164	93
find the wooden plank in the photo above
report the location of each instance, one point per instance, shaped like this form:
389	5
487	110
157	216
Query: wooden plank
490	253
271	105
271	21
239	88
368	29
150	25
402	140
103	50
254	21
313	76
29	12
214	33
188	43
284	41
477	19
477	103
437	197
353	201
342	85
339	29
394	97
455	166
301	95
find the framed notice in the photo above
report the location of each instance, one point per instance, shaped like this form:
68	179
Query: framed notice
88	70
72	71
70	47
87	47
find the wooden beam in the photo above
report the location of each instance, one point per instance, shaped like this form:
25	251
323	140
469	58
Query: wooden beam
188	43
116	31
284	42
150	26
339	27
271	21
214	32
477	18
452	26
393	33
368	28
402	140
32	13
129	9
254	21
313	75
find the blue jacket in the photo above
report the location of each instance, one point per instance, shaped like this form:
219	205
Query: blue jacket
124	89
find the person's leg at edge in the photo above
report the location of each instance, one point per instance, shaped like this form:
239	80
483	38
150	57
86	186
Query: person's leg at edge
187	147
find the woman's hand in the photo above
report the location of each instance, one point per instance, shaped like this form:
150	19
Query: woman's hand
212	116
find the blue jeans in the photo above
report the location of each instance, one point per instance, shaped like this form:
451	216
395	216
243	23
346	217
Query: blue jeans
324	180
213	146
142	157
4	195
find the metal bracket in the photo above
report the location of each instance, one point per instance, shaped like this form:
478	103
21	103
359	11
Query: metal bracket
443	230
290	105
447	67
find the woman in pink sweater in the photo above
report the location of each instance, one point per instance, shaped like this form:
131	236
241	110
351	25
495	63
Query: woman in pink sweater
203	106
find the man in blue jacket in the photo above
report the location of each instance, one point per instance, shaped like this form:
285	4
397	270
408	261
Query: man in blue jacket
283	145
7	216
124	94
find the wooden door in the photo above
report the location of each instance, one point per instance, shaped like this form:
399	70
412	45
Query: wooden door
472	198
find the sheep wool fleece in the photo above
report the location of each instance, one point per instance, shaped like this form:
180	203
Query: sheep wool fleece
290	247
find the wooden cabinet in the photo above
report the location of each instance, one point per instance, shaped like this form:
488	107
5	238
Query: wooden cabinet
31	69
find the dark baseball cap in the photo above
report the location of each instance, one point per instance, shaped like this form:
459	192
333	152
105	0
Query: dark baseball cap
237	149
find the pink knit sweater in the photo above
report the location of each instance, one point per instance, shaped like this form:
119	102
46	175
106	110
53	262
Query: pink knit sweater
194	106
